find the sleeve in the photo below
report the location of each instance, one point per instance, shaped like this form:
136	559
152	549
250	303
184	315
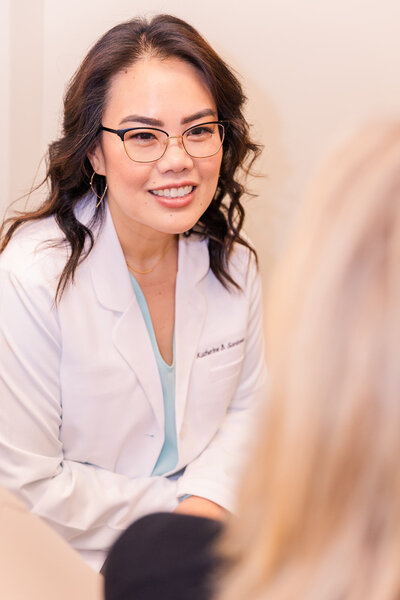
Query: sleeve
87	505
214	474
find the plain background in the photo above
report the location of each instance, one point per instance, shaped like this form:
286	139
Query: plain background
313	71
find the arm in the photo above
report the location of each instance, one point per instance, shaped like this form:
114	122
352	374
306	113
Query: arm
214	474
87	505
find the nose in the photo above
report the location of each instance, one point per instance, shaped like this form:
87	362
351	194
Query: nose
175	157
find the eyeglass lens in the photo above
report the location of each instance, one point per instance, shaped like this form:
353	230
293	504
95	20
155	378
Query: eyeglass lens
200	141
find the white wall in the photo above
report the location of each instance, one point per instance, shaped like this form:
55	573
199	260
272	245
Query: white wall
312	69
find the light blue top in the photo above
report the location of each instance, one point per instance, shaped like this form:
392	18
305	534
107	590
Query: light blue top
168	457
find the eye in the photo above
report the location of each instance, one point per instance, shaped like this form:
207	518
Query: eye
200	132
140	136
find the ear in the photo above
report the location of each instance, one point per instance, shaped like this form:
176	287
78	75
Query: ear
97	160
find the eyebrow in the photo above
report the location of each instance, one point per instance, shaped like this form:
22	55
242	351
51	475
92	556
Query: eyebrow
207	112
144	120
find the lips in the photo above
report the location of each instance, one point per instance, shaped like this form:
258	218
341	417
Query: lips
173	192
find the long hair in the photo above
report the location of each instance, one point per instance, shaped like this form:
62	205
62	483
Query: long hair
69	170
319	511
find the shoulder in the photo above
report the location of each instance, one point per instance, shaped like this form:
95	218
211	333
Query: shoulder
39	247
194	257
243	266
36	252
242	256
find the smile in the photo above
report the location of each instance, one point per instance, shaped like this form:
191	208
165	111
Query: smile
175	192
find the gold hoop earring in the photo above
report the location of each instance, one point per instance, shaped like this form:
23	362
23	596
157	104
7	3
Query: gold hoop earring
94	191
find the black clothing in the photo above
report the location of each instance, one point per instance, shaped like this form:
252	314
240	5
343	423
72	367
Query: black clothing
163	556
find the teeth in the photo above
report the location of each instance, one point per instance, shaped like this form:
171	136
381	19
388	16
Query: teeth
173	192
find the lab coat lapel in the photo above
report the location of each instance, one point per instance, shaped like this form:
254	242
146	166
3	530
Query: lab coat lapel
114	291
132	340
190	314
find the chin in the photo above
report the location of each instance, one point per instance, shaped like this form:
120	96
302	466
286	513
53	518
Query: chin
178	227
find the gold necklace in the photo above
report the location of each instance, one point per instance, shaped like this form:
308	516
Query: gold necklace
152	268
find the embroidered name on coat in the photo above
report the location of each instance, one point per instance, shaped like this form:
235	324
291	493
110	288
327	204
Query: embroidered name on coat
219	348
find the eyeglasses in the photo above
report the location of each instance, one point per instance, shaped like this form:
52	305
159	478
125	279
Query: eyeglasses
148	144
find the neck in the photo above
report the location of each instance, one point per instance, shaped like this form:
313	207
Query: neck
143	247
145	255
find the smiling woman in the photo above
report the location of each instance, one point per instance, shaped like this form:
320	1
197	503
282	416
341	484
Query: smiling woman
131	269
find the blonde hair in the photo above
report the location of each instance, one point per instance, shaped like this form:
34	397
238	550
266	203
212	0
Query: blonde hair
319	511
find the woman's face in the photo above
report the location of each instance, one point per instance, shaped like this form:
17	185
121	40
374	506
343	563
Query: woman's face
169	94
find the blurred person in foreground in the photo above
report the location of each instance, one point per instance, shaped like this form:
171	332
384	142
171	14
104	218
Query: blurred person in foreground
319	512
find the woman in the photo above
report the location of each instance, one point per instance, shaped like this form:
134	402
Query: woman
131	337
320	502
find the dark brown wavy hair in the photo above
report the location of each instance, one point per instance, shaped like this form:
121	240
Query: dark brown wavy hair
68	167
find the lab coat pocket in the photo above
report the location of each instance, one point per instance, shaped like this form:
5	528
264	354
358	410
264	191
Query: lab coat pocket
216	388
226	370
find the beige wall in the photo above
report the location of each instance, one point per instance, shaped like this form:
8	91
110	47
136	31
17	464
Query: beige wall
4	101
312	69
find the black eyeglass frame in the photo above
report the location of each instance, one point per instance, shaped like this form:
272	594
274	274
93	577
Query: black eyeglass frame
121	134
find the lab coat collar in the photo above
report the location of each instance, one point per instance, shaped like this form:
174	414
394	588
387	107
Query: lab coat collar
193	259
108	268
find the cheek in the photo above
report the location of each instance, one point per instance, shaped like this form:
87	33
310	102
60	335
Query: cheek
211	170
210	177
129	175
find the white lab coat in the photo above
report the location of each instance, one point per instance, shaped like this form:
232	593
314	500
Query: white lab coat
82	423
